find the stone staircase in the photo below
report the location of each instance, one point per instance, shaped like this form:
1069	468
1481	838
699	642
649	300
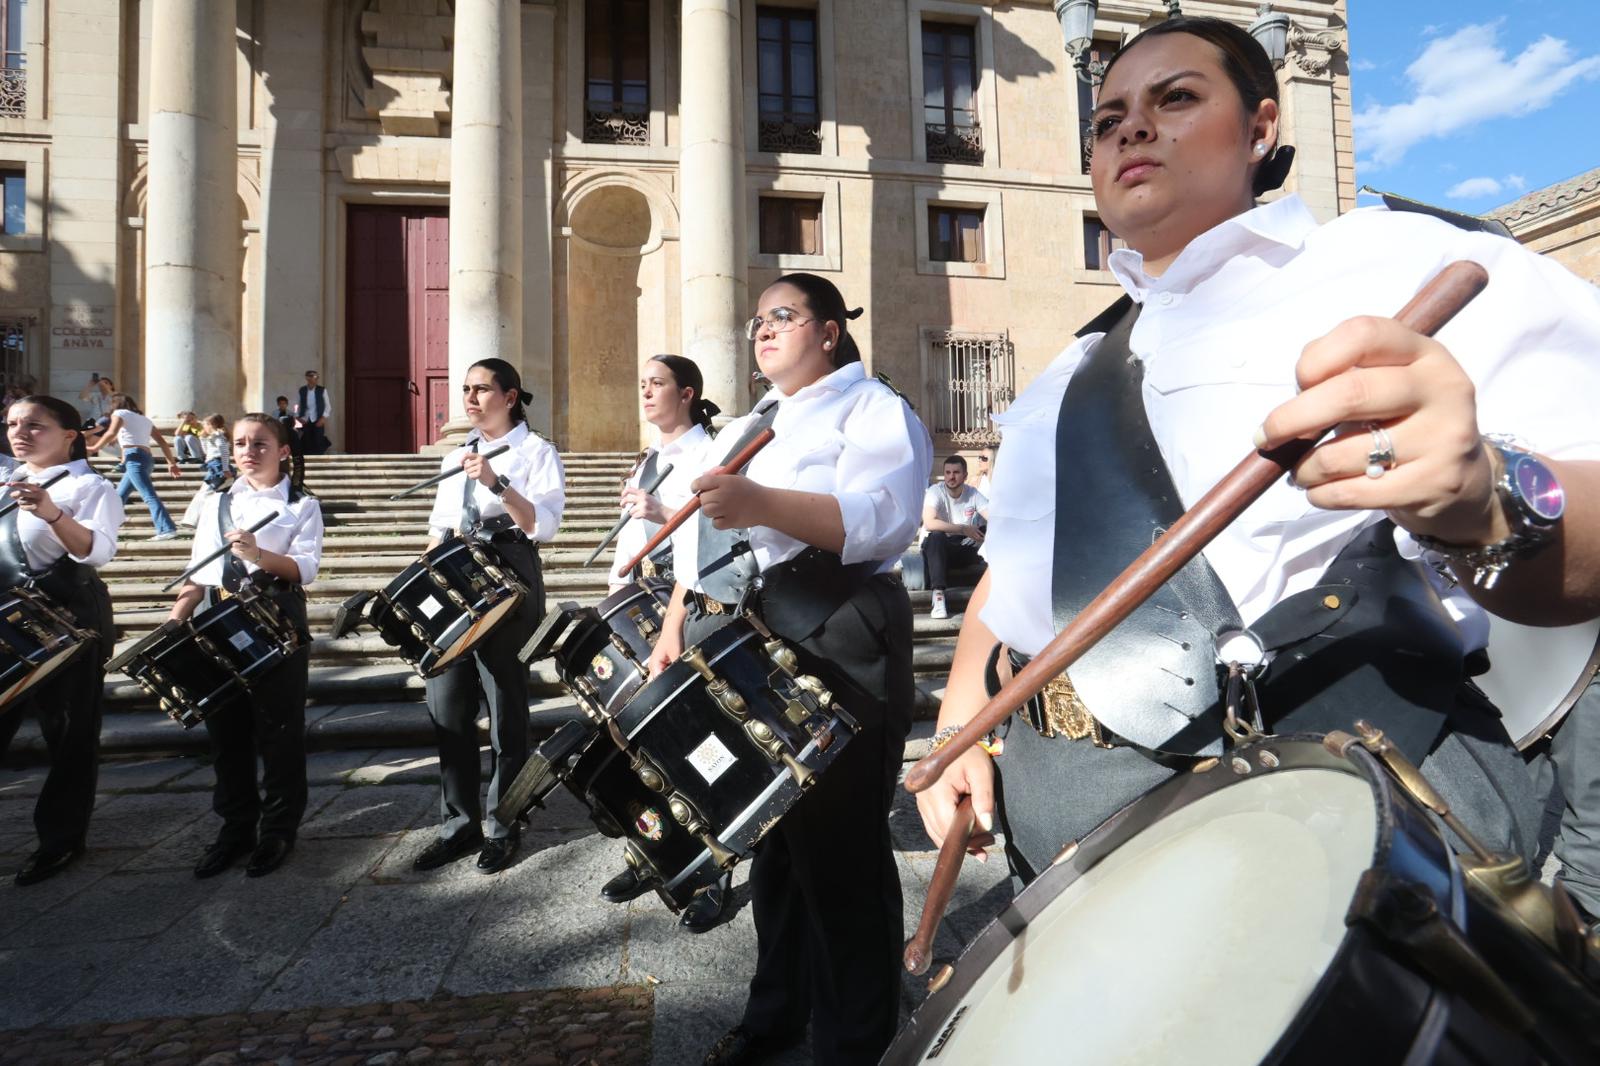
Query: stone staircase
361	693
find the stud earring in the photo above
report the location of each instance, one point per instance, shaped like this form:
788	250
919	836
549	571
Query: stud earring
826	345
1261	149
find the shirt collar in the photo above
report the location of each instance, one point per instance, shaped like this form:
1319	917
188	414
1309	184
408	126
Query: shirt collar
516	435
71	466
837	381
691	438
1286	221
241	488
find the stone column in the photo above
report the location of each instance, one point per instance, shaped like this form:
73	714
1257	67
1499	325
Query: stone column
711	165
485	191
192	214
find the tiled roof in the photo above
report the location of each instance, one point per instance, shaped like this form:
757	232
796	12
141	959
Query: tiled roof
1550	198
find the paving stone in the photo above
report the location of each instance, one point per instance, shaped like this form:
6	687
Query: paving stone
142	772
143	819
370	809
334	767
399	766
382	942
40	982
691	1015
121	906
24	781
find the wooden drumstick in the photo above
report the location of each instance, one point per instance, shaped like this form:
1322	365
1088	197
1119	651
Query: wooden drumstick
1447	293
447	474
684	513
958	838
12	505
220	552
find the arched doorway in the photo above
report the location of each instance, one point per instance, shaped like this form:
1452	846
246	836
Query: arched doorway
619	289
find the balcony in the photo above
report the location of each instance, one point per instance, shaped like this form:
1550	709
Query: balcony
13	87
954	144
605	122
784	132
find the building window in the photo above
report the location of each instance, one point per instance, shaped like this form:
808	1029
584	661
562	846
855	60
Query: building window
13	60
1099	52
786	66
791	225
14	356
617	72
972	377
16	202
955	234
949	85
1098	243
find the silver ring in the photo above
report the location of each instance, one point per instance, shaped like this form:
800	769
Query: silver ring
1380	458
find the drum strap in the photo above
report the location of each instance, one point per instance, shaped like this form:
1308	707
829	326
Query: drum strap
234	572
60	580
725	562
1154	677
470	515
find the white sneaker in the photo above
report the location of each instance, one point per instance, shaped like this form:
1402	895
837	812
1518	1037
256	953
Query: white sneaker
939	608
168	535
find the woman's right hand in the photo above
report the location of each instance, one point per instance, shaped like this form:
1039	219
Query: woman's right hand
970	775
669	646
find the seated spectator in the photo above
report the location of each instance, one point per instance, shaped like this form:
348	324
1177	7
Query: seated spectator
214	446
187	437
954	514
985	470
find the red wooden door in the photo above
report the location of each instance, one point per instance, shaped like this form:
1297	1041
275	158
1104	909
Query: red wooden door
397	325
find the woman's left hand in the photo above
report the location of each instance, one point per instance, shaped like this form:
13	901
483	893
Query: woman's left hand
243	543
731	501
640	504
1375	372
477	468
36	501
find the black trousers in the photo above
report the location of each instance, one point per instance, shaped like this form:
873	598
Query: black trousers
270	725
825	891
69	707
493	672
941	551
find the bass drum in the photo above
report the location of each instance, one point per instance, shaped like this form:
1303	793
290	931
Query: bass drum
1537	673
1288	905
444	604
36	639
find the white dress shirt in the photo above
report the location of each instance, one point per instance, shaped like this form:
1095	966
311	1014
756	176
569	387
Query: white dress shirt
849	436
533	467
683	455
1219	336
296	532
311	410
88	498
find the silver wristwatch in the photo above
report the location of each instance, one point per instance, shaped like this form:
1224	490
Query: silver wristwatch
1533	502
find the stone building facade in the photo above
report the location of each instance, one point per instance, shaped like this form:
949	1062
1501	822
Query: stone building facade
213	196
1561	221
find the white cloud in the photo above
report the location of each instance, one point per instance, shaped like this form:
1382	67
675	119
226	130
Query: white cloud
1463	79
1473	189
1363	64
1517	182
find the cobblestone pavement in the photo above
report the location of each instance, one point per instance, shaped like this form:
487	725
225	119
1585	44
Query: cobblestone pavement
126	957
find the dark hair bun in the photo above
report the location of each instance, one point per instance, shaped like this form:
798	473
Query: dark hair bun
1274	170
855	314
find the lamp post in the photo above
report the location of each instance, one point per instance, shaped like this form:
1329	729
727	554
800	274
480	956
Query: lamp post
1271	31
1077	32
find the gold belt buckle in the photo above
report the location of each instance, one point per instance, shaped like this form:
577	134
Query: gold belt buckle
713	606
1065	713
647	568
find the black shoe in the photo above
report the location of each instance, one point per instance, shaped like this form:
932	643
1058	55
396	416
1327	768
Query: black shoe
46	863
739	1046
222	855
497	853
268	856
706	909
625	886
442	852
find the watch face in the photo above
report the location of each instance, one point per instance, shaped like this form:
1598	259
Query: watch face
1538	488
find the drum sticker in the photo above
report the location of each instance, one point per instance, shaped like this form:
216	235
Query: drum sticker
712	758
241	640
429	606
601	667
649	824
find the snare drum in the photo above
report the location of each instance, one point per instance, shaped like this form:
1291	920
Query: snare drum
1285	905
601	652
36	639
201	665
444	604
719	746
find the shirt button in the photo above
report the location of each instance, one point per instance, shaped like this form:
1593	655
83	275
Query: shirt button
1166	299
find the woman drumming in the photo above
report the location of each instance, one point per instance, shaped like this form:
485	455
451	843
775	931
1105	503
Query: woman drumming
56	539
1249	326
670	388
822	513
280	559
514	501
133	431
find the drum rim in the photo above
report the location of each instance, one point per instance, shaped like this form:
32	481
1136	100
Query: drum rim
679	675
928	1022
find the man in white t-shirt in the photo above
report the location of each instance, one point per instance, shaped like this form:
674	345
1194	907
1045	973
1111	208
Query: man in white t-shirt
954	514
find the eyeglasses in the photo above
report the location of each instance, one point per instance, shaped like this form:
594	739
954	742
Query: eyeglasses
779	320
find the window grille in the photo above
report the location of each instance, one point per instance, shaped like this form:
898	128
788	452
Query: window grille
949	88
617	72
972	378
14	355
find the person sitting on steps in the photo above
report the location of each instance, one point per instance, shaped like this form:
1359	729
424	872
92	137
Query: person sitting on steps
954	514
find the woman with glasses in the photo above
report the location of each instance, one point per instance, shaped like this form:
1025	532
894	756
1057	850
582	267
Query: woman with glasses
821	513
1244	320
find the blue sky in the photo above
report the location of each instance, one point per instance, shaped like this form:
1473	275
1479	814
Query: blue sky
1472	103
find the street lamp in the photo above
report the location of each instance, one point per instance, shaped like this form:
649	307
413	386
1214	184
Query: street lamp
1271	31
1077	32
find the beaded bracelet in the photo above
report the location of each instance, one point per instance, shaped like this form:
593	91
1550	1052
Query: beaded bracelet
990	743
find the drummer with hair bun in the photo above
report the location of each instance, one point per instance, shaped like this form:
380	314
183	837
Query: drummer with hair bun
259	820
1359	587
514	501
55	540
821	514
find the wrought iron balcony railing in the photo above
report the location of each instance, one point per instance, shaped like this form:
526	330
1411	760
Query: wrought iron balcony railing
608	123
954	144
13	86
781	131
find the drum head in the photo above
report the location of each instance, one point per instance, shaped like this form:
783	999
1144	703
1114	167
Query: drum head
40	673
475	631
1197	941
